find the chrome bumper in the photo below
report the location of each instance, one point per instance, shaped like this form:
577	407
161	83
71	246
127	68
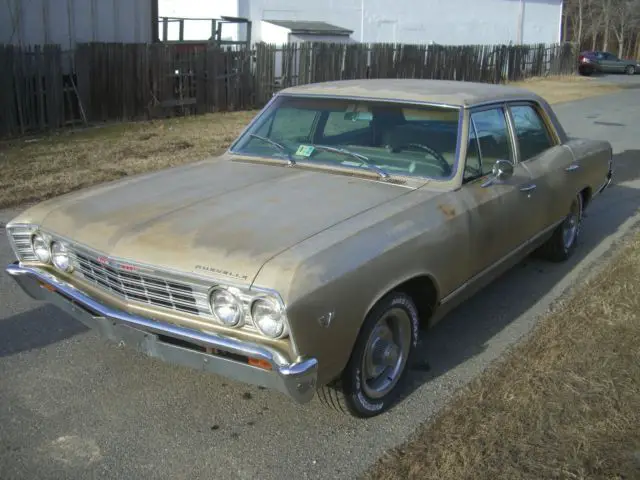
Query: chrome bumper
171	343
607	181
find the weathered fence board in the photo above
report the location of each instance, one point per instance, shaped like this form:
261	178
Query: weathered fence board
133	81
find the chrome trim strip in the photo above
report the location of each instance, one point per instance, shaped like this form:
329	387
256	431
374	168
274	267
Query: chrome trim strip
297	378
372	99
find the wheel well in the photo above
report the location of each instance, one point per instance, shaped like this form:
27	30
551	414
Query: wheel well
423	292
586	196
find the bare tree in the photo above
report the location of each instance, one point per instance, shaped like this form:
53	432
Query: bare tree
625	19
603	22
595	21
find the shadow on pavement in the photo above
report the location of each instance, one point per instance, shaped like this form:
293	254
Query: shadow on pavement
36	329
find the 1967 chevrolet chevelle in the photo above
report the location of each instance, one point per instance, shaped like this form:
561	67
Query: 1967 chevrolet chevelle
346	216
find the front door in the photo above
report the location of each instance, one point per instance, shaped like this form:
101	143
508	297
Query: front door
500	212
549	163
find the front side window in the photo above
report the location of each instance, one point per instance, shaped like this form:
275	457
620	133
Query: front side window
531	132
400	139
489	140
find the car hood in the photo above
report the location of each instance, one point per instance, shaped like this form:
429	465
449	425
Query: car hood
220	217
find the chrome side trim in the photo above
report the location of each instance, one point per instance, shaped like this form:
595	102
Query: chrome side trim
604	184
295	378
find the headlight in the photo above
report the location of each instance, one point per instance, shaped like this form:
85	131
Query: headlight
269	317
60	257
41	248
226	307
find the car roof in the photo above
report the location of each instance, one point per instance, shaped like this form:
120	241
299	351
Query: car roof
444	92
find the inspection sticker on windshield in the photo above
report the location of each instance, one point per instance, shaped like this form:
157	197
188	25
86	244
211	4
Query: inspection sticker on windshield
304	150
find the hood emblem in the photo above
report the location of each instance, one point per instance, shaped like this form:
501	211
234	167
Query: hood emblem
220	271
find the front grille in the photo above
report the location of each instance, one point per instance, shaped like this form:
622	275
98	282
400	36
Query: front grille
143	288
21	241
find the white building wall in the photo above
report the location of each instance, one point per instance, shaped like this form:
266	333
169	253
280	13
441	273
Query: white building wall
198	29
447	22
271	33
67	22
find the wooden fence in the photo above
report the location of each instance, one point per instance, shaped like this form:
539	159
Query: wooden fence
45	88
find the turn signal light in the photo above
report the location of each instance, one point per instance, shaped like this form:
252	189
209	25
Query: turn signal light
256	362
46	286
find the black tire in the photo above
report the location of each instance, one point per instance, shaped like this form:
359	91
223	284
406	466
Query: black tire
585	71
347	394
557	248
630	70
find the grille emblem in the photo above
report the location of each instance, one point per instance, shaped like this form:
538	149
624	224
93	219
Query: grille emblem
123	266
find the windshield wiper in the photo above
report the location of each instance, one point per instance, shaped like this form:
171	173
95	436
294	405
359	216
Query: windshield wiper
364	160
279	146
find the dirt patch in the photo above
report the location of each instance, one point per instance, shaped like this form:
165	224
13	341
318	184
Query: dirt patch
38	168
564	404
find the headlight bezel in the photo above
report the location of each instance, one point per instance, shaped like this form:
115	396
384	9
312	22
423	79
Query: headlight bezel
248	298
46	240
64	246
240	321
278	305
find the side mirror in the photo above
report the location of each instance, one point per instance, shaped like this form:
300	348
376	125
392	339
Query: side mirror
502	170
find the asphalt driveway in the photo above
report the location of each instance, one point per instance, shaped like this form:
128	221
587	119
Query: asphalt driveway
75	406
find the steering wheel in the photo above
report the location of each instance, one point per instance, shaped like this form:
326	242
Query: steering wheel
442	162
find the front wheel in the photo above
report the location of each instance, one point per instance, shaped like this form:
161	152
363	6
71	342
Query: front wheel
630	70
564	239
374	376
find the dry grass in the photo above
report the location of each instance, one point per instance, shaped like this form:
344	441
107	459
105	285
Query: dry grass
566	88
48	166
564	404
43	167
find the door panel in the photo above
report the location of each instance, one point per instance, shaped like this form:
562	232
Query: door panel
499	211
499	217
611	63
553	171
546	162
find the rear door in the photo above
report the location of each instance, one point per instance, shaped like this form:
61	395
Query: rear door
611	64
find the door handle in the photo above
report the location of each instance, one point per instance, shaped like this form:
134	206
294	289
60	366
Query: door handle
572	167
528	188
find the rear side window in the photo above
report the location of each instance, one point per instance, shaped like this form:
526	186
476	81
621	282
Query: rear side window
531	132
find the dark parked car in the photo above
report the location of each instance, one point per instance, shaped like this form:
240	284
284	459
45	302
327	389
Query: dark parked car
605	62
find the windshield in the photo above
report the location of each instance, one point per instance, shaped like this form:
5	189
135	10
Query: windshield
382	137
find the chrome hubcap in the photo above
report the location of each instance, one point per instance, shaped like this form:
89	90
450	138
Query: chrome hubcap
571	225
386	353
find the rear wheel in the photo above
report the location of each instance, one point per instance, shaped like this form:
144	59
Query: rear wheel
375	374
630	70
562	243
586	71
